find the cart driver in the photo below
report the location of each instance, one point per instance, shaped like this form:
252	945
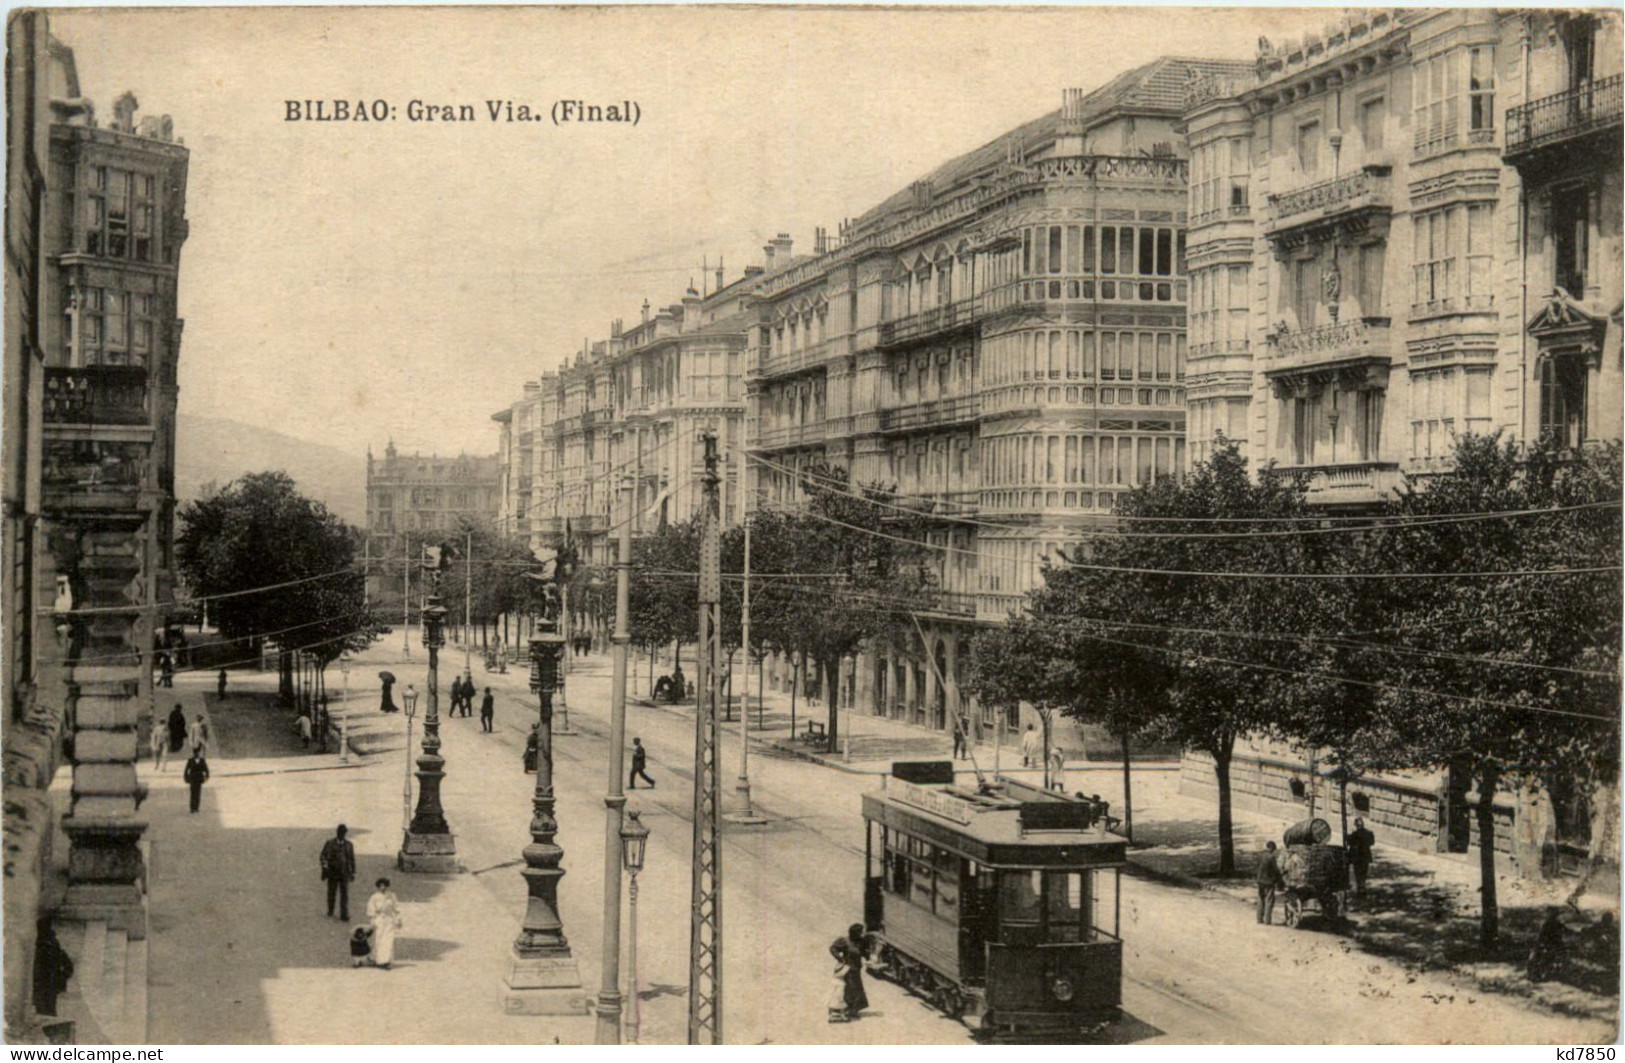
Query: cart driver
1270	879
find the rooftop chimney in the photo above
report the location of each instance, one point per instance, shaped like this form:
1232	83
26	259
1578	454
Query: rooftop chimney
124	109
645	311
719	274
782	245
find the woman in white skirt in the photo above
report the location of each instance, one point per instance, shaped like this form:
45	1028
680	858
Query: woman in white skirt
384	913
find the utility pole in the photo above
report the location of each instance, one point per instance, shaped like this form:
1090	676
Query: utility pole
744	813
406	599
468	600
609	992
705	925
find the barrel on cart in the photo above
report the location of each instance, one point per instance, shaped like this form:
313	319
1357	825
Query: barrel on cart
1316	874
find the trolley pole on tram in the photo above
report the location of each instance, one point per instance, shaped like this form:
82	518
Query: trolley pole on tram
705	926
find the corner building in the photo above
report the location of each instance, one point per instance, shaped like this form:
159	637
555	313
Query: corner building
1003	341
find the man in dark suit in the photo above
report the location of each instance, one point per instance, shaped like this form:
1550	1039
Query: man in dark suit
338	871
1360	842
196	774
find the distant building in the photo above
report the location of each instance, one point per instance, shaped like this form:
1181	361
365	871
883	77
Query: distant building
422	495
96	218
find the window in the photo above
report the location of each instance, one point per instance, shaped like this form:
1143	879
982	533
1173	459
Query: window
1306	291
1373	114
1435	266
1563	399
1481	89
1435	90
1480	256
1372	260
1571	229
1308	147
1020	896
1064	907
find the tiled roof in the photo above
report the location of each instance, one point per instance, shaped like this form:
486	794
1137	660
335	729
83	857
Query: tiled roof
1157	88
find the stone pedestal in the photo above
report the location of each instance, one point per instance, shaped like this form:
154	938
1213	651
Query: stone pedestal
542	985
433	854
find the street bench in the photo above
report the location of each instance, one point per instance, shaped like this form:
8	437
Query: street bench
814	733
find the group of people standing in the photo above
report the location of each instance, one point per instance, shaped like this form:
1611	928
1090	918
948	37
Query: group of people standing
176	734
847	998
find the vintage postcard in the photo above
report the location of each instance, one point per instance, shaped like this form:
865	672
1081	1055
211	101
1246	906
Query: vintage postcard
812	525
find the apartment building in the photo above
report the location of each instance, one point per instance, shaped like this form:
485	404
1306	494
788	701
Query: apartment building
1403	229
631	409
1004	342
425	493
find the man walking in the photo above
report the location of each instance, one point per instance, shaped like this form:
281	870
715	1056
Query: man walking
488	708
1360	842
220	685
961	729
1269	880
196	774
640	761
338	871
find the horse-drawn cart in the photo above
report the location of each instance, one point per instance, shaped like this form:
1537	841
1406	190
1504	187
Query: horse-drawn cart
1316	874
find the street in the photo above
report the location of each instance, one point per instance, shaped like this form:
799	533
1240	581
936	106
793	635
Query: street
253	921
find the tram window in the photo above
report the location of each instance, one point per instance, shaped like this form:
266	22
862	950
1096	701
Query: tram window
897	872
921	884
948	897
1020	899
1065	905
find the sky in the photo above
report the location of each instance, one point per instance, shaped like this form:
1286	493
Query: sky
352	283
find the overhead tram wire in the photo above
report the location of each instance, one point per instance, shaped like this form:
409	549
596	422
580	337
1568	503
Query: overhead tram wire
1036	562
94	610
127	654
1366	523
912	610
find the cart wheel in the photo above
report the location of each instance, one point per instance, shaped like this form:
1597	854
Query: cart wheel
1294	910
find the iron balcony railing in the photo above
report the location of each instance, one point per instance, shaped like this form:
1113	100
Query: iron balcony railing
1564	115
1325	196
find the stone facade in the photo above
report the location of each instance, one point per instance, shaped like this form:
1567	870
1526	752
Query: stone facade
1004	342
1404	229
96	218
424	494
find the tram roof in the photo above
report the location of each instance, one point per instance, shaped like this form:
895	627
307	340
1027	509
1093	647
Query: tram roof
1003	823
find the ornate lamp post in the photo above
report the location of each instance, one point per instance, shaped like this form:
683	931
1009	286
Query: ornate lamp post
344	725
542	977
429	844
634	843
409	704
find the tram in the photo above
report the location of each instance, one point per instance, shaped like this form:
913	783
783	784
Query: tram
999	902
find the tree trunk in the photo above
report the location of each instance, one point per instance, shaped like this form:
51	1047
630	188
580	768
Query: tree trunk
1044	719
1489	926
832	671
1227	836
795	688
761	677
1128	792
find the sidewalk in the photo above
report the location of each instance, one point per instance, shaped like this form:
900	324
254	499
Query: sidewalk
1421	908
238	905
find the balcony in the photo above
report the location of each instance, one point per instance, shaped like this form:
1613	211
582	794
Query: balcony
1359	344
1350	205
792	435
949	505
1566	120
1086	292
940	413
1350	483
94	474
930	324
776	361
96	395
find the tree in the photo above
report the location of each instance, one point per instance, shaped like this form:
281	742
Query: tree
1510	678
276	565
846	570
665	586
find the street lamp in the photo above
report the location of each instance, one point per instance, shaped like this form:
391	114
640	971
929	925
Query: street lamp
634	843
344	733
542	977
409	701
429	845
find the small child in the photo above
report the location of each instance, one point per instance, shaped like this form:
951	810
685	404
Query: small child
837	989
361	946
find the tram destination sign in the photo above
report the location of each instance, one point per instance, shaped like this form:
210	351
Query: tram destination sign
933	801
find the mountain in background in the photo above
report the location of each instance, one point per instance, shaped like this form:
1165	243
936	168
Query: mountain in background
218	450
